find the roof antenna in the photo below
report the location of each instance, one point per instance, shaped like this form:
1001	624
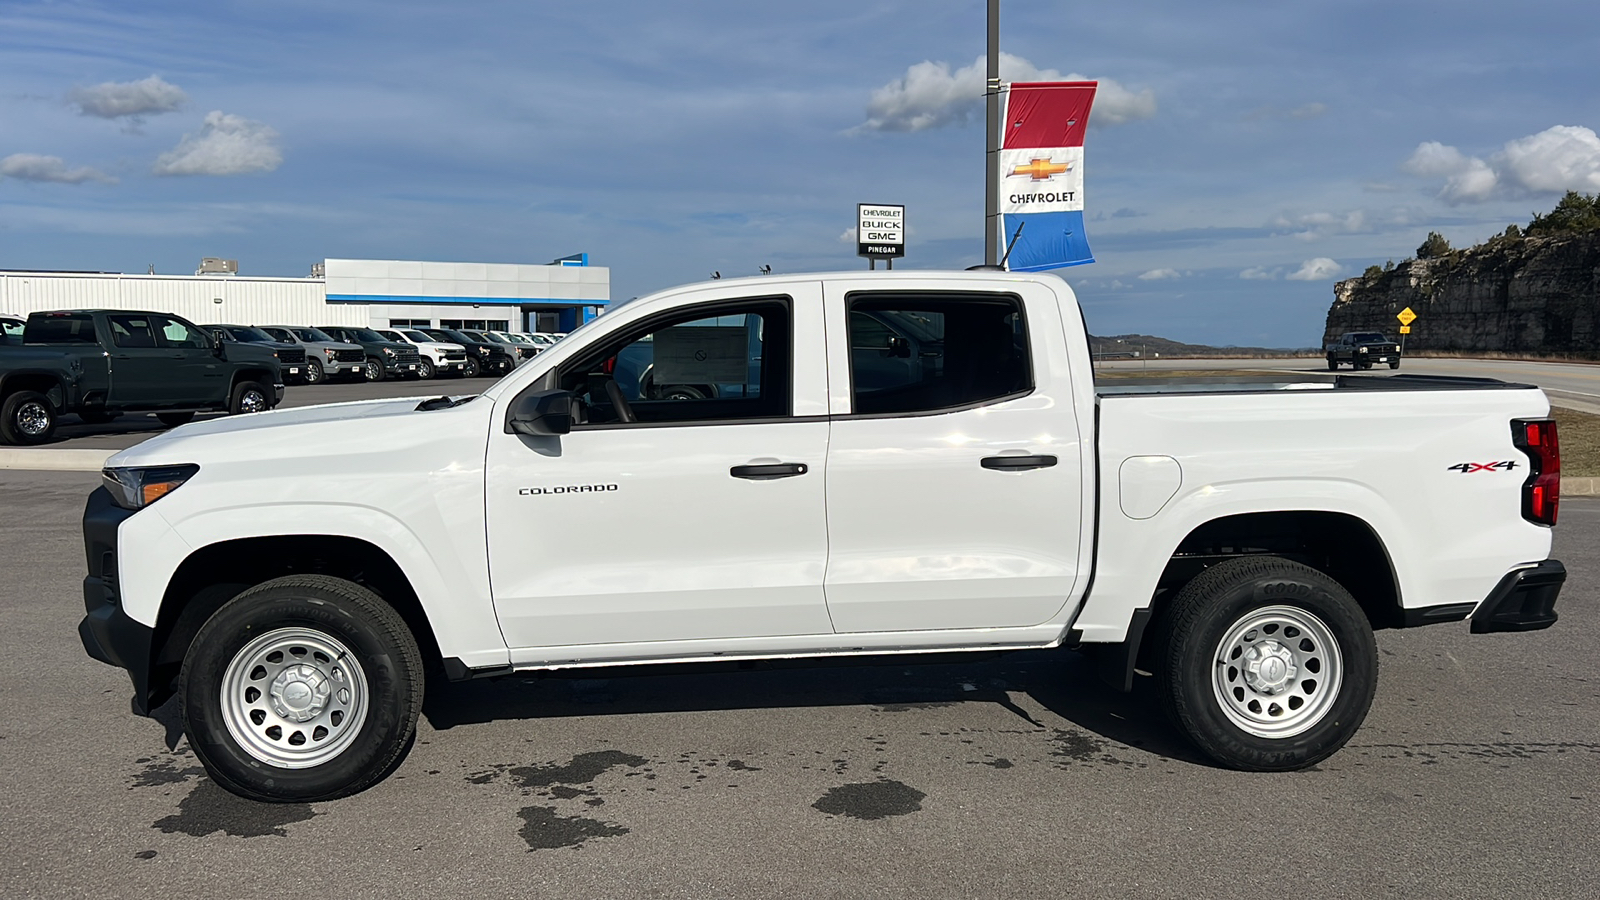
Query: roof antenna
715	275
1012	244
766	270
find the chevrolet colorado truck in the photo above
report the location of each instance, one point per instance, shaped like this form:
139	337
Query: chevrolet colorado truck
295	577
101	363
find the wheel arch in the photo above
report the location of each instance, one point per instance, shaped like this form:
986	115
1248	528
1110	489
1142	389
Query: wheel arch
212	575
1341	545
47	383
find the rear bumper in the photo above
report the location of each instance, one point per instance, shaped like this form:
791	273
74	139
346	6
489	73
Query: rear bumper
1524	600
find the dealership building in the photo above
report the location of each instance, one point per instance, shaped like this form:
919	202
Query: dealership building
377	293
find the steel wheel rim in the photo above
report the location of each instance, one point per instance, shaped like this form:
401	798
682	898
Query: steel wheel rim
301	710
253	401
313	373
1277	671
425	369
32	418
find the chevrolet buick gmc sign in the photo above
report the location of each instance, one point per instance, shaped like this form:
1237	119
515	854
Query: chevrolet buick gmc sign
880	230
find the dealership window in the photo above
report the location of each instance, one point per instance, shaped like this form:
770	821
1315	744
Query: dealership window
726	363
475	324
919	353
410	323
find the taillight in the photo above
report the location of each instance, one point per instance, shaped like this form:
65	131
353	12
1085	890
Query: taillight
1541	493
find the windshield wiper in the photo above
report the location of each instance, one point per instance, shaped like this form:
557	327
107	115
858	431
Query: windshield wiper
442	403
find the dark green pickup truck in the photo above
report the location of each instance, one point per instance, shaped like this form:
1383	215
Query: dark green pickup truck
100	363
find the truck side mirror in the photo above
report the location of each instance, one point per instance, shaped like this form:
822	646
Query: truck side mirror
217	347
541	413
899	347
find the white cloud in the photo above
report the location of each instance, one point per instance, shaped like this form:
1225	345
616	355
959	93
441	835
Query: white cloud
1309	111
1158	275
225	145
1260	273
1319	269
128	99
848	236
1561	158
930	95
34	167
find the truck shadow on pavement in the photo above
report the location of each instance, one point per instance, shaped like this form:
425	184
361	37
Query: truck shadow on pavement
1059	685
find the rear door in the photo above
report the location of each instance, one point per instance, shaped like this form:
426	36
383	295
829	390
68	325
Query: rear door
954	461
142	371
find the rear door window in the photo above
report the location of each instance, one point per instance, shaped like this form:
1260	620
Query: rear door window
924	353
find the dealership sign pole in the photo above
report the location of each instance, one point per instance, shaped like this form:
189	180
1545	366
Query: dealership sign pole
880	232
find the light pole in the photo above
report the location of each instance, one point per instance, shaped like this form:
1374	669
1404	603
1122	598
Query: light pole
991	186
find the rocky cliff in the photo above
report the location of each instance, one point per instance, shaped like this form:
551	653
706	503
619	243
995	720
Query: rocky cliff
1515	293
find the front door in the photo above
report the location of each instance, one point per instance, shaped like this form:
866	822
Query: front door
196	377
687	502
955	477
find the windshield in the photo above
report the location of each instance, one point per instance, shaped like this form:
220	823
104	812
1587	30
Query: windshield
313	334
451	337
478	336
417	336
367	335
519	338
392	336
1368	337
280	334
498	339
248	335
540	339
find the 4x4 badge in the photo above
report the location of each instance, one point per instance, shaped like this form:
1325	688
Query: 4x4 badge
1469	468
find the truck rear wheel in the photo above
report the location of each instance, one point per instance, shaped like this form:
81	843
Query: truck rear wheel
302	688
1269	665
26	417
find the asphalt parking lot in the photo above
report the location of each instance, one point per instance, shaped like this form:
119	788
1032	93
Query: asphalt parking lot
1476	775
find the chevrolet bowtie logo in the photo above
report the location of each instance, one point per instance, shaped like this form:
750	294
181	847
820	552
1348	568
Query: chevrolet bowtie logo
1041	169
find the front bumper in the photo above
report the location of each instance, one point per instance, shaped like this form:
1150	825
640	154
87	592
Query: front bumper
1524	600
108	633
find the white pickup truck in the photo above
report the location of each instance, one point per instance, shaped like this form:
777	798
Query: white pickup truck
808	466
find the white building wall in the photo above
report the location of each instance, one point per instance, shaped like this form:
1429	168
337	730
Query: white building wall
245	301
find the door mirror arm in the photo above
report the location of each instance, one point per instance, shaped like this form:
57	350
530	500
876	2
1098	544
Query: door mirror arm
541	413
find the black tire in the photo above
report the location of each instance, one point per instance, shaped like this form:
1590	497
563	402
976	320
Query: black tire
1196	664
249	397
26	417
373	371
97	417
174	419
473	368
425	368
387	675
1395	364
314	373
1333	364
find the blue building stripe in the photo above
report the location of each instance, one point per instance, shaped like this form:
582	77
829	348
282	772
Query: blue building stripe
1049	241
481	301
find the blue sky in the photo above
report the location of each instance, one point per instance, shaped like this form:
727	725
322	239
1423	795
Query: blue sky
1247	156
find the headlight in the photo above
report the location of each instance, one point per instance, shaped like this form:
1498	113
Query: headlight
484	350
388	351
1363	350
136	488
329	352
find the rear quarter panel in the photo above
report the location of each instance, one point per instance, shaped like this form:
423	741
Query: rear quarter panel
1382	457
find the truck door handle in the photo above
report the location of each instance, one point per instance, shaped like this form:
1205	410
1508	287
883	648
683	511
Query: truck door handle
1018	463
773	470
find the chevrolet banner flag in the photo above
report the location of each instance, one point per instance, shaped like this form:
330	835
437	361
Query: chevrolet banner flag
1041	173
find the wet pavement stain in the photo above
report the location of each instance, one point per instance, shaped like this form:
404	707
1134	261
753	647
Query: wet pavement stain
871	800
998	762
145	854
583	769
209	809
542	829
1077	745
159	772
739	765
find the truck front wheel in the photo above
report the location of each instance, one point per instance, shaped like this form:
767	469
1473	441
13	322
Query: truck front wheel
26	417
300	689
249	397
1269	665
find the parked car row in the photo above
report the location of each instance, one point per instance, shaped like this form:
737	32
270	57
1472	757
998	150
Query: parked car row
99	364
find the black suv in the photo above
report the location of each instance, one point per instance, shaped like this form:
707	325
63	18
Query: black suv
1361	349
385	358
484	357
291	356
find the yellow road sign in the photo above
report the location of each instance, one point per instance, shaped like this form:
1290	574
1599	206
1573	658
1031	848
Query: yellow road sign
1405	329
1406	317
